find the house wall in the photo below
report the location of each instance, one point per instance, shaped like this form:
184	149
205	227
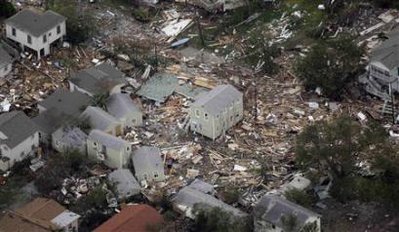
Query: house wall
74	226
19	152
61	146
149	174
113	158
37	42
380	72
132	119
116	89
263	226
5	69
215	125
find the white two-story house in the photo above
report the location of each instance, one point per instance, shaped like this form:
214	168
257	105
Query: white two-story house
19	138
36	31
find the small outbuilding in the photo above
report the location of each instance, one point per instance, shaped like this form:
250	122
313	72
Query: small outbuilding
125	183
122	107
148	164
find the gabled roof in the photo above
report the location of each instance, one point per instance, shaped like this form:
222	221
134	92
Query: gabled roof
216	100
71	135
5	58
272	208
189	197
132	218
36	216
71	103
147	159
17	127
388	52
108	140
119	105
35	23
51	120
99	119
98	79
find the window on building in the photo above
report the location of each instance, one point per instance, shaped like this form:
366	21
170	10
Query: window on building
206	116
128	149
5	68
231	118
58	29
29	38
49	34
197	112
156	175
14	32
44	39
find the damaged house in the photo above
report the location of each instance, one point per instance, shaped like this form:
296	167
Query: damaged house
40	215
271	211
125	183
215	5
36	31
122	107
101	120
213	113
19	138
382	78
98	80
113	151
69	138
148	164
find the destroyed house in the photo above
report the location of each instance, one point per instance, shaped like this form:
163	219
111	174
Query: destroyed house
140	218
215	5
101	120
187	198
36	31
69	138
148	164
125	183
48	122
40	215
5	62
122	107
383	69
213	113
270	212
112	151
97	80
19	138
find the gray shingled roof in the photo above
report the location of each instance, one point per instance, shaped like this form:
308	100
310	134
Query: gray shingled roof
202	186
51	120
189	197
126	184
147	159
218	99
17	127
72	136
388	52
5	58
98	118
71	103
98	79
119	105
108	140
159	87
35	23
272	208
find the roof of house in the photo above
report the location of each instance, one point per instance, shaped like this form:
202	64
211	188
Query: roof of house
132	218
5	58
98	79
388	52
51	120
125	182
38	215
17	127
98	118
189	197
35	23
272	208
71	103
71	135
202	186
159	87
108	140
119	105
218	99
147	159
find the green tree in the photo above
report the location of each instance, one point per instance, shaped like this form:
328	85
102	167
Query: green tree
80	26
299	197
7	9
217	220
100	100
330	65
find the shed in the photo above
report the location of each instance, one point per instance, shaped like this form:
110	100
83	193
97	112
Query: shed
125	183
101	120
148	164
122	107
69	138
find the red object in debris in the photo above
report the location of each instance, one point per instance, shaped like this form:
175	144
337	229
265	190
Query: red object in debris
137	218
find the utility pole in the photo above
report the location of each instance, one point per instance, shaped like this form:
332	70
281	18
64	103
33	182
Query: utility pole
201	35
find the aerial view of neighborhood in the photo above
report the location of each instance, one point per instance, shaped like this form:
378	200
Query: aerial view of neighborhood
199	115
